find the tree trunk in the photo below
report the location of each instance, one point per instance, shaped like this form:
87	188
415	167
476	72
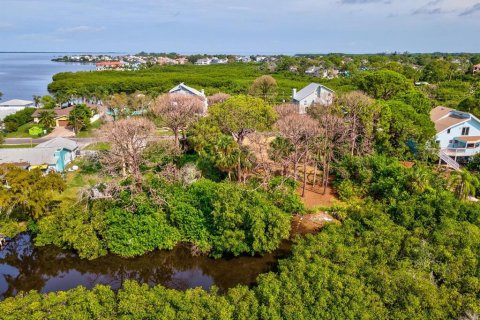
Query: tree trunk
239	170
304	173
353	135
175	131
315	174
327	172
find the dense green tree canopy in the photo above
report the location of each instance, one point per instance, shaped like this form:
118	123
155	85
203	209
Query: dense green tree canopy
384	84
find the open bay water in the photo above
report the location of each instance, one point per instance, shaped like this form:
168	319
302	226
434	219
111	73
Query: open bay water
23	75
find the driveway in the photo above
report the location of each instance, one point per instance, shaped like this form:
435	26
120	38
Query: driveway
60	132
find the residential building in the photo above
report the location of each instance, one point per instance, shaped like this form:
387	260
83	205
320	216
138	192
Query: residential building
110	65
458	133
244	59
313	71
476	68
61	115
182	60
204	61
184	89
52	155
11	106
312	94
166	61
216	60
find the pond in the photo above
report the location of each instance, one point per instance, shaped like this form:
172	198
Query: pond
24	267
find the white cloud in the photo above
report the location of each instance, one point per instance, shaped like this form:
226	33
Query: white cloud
80	29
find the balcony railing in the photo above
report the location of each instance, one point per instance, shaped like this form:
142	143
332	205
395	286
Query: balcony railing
461	152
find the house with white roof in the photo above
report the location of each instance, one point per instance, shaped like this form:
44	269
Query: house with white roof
52	155
184	89
11	106
458	133
312	94
203	61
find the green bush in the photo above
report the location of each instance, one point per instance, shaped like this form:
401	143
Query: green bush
19	118
131	234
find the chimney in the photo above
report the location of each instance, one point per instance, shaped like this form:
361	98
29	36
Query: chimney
294	93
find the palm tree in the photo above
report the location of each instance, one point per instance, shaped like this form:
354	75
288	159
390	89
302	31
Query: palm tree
47	118
226	154
419	180
37	100
463	183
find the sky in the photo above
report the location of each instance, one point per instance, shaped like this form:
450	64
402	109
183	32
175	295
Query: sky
241	26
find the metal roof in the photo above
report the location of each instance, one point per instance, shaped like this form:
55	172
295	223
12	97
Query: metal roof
44	153
59	143
33	156
16	103
308	90
187	88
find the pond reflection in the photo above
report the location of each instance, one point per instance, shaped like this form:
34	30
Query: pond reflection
24	267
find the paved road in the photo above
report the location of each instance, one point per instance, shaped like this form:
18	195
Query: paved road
40	140
81	141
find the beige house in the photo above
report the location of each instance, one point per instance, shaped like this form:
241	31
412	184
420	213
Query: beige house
61	116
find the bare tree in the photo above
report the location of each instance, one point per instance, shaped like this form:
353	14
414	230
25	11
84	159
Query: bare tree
178	111
286	109
264	87
298	129
217	98
331	137
128	139
360	114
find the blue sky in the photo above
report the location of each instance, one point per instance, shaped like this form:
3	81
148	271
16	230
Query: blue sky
248	26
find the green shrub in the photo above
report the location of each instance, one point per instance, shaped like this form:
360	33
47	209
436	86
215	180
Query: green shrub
131	234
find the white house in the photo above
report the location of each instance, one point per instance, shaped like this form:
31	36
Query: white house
311	94
216	60
203	61
184	89
52	155
458	133
12	106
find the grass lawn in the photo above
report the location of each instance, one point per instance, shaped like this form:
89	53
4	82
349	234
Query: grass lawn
13	146
76	181
22	131
98	146
90	132
162	132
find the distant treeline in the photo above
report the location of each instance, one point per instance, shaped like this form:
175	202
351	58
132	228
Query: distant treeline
231	78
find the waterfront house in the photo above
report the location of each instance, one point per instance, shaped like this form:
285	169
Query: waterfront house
184	89
458	133
110	65
312	94
52	155
11	106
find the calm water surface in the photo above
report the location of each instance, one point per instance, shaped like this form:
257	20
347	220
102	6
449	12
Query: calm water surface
24	267
23	75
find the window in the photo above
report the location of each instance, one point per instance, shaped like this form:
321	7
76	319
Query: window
465	131
450	141
448	131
